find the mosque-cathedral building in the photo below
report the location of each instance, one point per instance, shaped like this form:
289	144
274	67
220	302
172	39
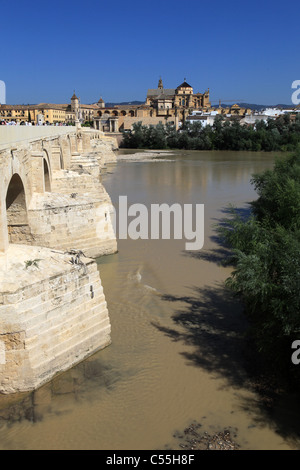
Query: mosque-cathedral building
162	105
165	105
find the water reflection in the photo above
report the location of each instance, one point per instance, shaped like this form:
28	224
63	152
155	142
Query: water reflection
61	394
194	169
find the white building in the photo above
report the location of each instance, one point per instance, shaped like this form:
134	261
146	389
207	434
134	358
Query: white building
206	118
275	112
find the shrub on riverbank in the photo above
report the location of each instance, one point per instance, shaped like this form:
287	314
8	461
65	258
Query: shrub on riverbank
266	260
281	134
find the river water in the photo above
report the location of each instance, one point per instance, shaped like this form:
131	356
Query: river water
177	336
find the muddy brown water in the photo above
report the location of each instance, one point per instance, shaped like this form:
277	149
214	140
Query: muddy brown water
175	356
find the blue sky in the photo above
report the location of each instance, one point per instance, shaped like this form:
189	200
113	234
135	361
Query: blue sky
242	51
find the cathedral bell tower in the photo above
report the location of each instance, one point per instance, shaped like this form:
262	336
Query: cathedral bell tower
75	108
74	103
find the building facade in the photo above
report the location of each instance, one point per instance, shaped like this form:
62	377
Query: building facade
48	113
162	105
35	114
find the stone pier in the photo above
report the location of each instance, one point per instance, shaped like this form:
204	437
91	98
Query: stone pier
53	314
55	217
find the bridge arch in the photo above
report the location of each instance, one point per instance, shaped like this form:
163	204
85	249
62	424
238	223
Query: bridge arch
47	184
16	210
47	170
46	156
61	158
67	152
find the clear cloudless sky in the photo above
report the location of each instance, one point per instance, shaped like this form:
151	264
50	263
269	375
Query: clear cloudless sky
116	49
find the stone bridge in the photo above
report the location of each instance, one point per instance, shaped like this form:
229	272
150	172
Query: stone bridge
51	192
54	219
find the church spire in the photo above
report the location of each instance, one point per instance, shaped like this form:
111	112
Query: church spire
160	84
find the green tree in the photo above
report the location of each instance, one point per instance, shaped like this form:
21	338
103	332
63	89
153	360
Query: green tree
266	260
282	134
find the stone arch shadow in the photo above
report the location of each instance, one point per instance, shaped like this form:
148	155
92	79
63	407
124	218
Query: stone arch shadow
47	171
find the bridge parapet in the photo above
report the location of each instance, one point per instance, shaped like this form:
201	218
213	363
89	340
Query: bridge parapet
15	135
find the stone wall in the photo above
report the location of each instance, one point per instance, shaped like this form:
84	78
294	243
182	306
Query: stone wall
65	222
54	216
105	149
147	121
12	135
69	208
52	315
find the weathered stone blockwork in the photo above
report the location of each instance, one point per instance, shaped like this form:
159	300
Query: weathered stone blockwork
78	222
53	312
52	316
65	203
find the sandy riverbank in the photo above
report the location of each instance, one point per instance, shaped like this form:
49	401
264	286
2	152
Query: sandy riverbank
147	156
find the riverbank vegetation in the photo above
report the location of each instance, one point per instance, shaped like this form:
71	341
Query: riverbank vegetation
265	254
282	134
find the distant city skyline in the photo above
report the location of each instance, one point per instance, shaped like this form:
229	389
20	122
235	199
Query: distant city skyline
241	52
